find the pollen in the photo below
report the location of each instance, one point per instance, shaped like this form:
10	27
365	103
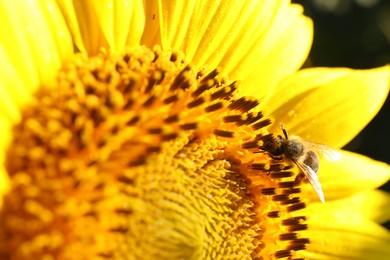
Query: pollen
140	155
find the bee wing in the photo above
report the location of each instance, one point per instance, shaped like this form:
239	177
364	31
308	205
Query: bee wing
313	179
325	151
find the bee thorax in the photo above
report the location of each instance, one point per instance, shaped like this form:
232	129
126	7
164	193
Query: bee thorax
292	149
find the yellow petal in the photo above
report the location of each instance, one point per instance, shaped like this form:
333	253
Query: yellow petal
70	17
4	184
13	37
341	236
175	17
90	31
5	138
59	32
277	53
35	38
110	24
341	229
327	105
34	42
151	35
352	173
204	30
373	205
258	42
13	93
135	24
122	21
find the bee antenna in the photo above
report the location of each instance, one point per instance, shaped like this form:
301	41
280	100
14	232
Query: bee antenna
284	131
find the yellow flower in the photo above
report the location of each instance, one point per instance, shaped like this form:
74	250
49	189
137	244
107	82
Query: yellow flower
119	150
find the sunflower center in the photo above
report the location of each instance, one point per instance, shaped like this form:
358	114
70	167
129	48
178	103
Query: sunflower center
139	155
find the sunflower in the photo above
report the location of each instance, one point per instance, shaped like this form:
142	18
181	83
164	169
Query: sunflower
142	130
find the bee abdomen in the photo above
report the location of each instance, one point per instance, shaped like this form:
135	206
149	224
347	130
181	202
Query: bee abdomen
311	160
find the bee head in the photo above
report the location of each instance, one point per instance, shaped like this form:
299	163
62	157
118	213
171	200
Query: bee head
273	145
278	145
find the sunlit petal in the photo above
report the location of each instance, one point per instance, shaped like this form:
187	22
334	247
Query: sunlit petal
279	52
258	42
72	22
340	236
352	173
151	35
111	24
33	32
122	21
372	204
34	42
5	139
13	92
328	105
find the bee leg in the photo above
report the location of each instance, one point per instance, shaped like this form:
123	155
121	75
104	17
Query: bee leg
260	151
275	157
298	179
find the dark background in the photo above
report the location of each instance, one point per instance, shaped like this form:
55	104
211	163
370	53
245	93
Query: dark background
355	34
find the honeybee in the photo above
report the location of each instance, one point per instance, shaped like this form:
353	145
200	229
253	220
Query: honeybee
305	155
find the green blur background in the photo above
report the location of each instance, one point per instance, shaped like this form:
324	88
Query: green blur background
355	34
